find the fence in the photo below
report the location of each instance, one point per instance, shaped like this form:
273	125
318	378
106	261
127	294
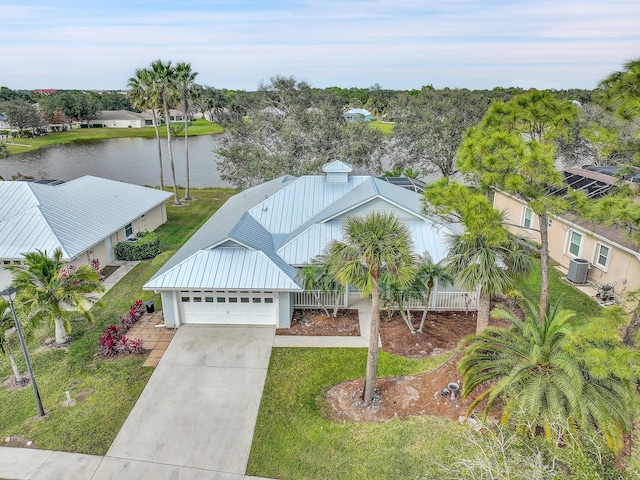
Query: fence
308	299
465	301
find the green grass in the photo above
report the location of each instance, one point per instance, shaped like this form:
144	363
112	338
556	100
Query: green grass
559	290
112	386
293	440
197	127
383	127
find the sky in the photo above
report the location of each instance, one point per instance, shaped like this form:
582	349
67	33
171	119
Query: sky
398	44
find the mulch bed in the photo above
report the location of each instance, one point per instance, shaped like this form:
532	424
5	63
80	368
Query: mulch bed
316	323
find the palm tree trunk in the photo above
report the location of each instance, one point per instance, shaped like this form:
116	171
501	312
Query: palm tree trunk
14	366
372	354
320	304
61	333
155	125
187	195
424	313
484	308
167	119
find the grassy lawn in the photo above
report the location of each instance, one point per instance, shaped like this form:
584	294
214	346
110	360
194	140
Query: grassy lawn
559	289
111	386
383	127
197	127
293	440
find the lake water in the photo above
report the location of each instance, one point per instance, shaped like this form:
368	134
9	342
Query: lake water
131	160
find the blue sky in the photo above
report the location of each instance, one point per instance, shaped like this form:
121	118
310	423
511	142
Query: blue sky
399	44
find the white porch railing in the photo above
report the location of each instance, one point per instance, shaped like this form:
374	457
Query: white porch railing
307	299
457	301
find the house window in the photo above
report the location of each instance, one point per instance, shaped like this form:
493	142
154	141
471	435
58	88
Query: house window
527	217
575	243
128	230
602	255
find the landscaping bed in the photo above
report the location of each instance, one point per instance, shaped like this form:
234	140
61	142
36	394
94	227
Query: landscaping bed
317	323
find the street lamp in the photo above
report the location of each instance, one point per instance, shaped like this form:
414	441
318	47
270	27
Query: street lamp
9	295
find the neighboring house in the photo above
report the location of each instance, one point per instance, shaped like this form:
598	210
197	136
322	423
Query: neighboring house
356	114
590	252
127	119
4	122
85	218
118	119
241	266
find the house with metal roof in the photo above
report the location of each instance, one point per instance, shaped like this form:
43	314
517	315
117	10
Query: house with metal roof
241	266
84	218
356	114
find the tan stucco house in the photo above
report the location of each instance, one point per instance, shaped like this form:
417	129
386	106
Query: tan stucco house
588	252
84	218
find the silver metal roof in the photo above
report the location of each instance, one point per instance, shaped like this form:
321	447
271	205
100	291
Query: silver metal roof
224	268
288	221
72	216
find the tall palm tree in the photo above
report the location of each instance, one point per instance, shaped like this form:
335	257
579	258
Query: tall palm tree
144	95
184	85
50	290
6	326
164	79
375	245
475	261
544	371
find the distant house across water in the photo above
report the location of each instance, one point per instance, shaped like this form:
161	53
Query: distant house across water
356	114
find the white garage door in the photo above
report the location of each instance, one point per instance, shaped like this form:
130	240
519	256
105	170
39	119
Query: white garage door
230	307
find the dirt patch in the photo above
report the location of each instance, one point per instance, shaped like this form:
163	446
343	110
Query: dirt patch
401	397
108	270
442	332
18	442
50	344
316	323
10	383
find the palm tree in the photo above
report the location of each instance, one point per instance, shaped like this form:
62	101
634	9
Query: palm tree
475	261
6	324
48	289
429	275
164	80
547	370
316	278
184	85
372	246
144	95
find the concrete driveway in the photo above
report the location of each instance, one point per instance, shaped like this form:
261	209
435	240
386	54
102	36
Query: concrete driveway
196	416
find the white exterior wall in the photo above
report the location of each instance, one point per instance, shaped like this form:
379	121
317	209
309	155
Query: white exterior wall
5	277
118	123
380	206
170	310
285	309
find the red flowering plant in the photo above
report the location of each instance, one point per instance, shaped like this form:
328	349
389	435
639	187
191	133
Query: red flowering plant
113	340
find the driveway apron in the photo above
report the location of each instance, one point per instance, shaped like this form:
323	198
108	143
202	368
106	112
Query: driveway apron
196	416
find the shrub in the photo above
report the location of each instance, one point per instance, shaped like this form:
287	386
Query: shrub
113	340
147	246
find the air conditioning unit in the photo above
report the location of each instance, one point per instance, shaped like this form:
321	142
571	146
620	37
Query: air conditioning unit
578	270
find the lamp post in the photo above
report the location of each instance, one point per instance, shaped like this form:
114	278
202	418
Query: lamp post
9	295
